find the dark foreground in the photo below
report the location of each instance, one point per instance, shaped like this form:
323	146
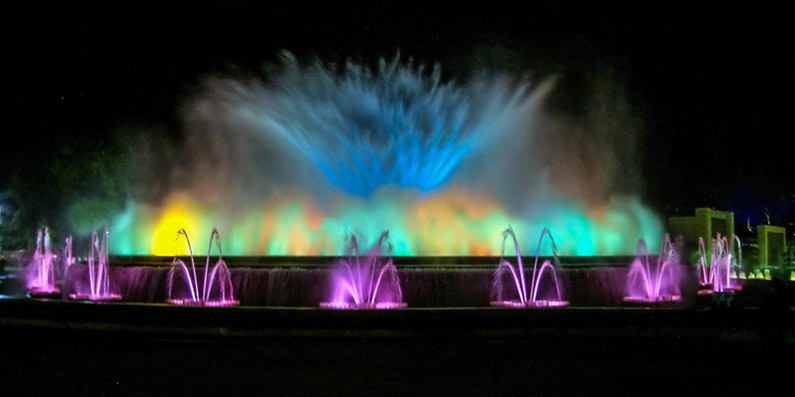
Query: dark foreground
135	349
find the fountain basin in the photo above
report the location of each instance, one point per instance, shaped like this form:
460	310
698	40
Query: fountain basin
530	304
426	282
363	306
709	289
663	299
38	292
188	302
95	298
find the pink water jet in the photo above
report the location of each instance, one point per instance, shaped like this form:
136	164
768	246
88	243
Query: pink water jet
216	287
41	270
68	258
647	284
715	276
518	296
98	287
366	283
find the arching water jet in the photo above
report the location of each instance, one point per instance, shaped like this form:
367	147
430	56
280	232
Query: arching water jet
507	276
215	290
369	282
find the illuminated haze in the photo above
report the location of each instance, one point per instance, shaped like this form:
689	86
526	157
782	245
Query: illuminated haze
293	162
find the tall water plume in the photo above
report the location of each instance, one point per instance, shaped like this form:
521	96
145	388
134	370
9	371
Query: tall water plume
293	162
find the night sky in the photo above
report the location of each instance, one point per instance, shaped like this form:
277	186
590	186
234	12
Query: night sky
713	90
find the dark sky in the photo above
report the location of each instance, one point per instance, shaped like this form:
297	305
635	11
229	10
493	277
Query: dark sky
713	89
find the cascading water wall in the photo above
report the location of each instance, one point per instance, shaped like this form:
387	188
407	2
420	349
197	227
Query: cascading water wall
291	163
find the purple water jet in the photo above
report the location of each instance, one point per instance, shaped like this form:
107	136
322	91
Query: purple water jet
189	292
41	272
715	276
506	274
98	287
68	258
356	284
647	284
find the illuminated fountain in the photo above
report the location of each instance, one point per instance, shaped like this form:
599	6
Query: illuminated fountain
366	283
98	287
216	287
658	283
68	258
396	146
510	284
41	273
716	276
